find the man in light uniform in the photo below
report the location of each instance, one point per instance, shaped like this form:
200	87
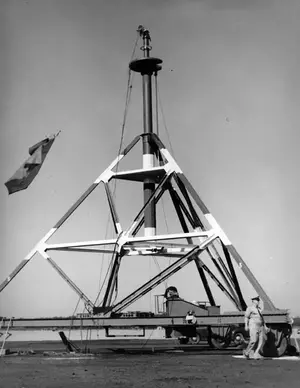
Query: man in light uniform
255	324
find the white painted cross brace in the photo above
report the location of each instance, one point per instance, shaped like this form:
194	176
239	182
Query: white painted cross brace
125	239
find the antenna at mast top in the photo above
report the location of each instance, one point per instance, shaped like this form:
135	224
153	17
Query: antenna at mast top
145	34
143	31
146	65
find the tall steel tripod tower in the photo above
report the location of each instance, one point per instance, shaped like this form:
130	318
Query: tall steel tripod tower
199	229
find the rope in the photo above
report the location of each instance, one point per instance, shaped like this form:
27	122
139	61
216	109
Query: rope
110	265
71	324
164	121
167	226
156	105
169	140
159	268
114	252
127	101
147	340
102	261
150	293
101	288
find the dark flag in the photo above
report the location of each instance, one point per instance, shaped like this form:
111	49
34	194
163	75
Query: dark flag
28	171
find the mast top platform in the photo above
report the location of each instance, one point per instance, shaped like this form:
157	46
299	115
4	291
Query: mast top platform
147	65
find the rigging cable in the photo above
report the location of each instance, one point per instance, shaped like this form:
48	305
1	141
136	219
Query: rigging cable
72	320
159	268
127	102
110	266
156	104
158	101
164	121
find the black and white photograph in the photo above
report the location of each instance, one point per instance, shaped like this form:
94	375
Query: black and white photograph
149	204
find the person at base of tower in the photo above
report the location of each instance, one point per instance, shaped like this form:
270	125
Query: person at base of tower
254	322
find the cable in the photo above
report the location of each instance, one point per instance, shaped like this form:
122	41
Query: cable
114	252
72	320
158	99
100	290
110	265
164	121
102	261
159	268
150	293
156	104
156	262
148	339
128	96
127	101
166	222
101	287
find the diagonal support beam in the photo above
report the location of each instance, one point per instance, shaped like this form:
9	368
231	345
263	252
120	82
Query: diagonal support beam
214	254
27	259
218	283
112	282
233	274
211	250
190	241
113	211
89	304
162	276
223	274
142	220
185	194
15	272
139	216
183	181
128	148
105	176
225	240
268	304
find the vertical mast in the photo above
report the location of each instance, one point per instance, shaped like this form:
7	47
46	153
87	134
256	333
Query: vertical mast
146	67
148	156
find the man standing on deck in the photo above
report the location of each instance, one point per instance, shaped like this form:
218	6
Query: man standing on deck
254	322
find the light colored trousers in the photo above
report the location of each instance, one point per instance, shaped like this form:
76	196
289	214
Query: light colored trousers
257	339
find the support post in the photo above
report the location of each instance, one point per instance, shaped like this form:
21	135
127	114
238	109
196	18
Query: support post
146	67
148	154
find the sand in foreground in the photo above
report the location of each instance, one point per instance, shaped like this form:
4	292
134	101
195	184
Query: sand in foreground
148	371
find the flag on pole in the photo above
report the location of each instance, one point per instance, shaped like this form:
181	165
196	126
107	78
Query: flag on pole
23	177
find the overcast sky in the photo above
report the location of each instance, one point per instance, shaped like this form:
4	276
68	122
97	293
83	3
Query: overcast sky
230	93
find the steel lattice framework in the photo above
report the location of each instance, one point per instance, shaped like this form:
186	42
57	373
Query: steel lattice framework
200	229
